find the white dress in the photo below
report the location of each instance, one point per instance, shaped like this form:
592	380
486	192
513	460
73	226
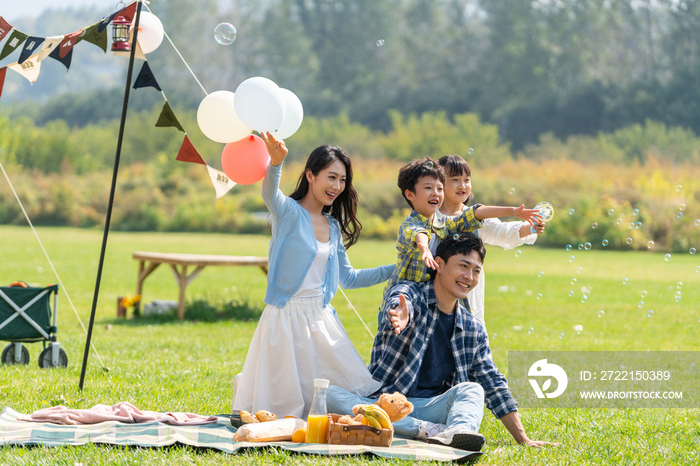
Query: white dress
296	344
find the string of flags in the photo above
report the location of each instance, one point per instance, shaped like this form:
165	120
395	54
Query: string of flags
35	49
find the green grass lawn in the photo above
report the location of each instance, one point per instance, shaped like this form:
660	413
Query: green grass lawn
189	366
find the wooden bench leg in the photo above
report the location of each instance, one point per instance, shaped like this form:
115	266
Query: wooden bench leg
182	281
143	273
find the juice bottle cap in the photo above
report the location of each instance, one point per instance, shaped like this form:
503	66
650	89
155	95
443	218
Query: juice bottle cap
322	383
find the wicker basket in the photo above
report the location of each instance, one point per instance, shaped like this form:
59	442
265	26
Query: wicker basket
342	434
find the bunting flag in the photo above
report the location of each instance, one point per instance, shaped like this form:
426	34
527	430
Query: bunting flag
92	35
49	46
3	72
16	39
188	153
4	28
126	54
146	78
129	12
30	46
65	60
68	42
168	118
102	25
29	68
221	181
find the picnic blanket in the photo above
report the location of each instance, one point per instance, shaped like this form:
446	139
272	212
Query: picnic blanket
217	435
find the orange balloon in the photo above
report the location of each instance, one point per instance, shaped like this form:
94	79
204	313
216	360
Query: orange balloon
246	160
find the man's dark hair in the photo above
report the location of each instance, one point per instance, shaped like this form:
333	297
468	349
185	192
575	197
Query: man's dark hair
462	243
411	173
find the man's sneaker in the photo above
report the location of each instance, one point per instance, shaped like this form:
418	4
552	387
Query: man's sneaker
429	429
470	441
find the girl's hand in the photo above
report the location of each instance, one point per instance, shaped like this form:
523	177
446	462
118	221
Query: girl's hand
427	257
529	215
399	315
275	147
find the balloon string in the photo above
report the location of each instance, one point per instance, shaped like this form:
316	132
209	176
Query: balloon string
180	55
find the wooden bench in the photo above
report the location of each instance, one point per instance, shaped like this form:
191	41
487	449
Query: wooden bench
149	261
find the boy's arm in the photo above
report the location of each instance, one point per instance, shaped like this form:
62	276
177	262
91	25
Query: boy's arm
487	211
423	244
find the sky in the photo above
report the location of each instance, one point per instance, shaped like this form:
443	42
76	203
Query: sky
13	9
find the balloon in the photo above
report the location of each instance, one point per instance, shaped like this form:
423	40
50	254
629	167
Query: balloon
260	104
245	161
150	32
217	118
293	115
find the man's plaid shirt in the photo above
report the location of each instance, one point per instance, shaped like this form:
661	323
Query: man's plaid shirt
409	266
396	359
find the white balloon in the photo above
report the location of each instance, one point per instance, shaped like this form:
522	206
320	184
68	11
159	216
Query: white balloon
293	115
260	104
150	32
217	118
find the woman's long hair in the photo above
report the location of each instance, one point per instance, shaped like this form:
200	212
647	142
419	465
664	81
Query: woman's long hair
344	207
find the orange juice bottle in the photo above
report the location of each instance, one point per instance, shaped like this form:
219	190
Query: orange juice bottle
317	422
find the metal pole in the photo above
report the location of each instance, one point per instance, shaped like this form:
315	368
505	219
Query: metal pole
111	194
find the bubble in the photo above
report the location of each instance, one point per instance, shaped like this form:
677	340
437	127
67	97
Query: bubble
530	330
628	241
697	222
561	336
584	299
225	33
572	258
631	225
587	246
572	211
692	250
579	270
679	285
679	214
470	151
380	42
539	295
640	304
594	226
677	294
650	313
643	294
681	206
638	225
494	336
518	253
611	212
697	269
571	293
573	281
618	221
625	281
635	212
569	247
678	298
667	257
580	247
678	188
650	245
586	292
540	274
511	191
605	242
601	313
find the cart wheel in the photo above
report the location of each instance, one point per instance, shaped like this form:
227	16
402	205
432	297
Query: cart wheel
8	355
45	361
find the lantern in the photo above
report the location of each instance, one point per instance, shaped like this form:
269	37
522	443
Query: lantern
120	34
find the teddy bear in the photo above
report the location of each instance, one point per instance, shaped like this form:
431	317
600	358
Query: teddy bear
395	404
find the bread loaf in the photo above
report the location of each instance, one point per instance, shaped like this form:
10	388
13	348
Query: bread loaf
272	431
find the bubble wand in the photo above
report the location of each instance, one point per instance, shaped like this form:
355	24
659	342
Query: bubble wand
546	211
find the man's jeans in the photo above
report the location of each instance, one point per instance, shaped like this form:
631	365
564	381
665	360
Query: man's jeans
461	409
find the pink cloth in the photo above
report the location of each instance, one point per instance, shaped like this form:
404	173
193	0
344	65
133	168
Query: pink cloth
122	412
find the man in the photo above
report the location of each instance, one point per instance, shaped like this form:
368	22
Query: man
430	348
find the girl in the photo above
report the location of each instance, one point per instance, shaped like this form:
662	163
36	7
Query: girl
508	235
299	336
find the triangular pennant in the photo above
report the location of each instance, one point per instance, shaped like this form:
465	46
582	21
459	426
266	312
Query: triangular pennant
30	68
146	78
5	27
168	118
31	45
65	60
129	12
221	181
102	25
126	54
92	35
16	39
3	72
188	153
68	42
49	46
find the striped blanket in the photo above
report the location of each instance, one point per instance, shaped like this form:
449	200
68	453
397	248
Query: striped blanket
217	436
